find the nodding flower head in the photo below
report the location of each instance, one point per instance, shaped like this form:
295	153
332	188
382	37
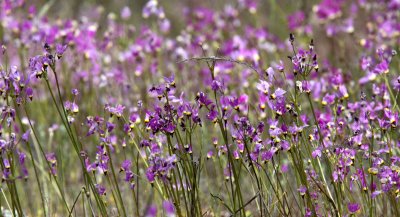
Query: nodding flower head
278	93
263	86
60	50
353	207
382	67
101	190
170	82
117	110
51	158
169	208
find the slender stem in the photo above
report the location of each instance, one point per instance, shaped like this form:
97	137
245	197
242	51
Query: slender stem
33	164
73	205
116	182
44	155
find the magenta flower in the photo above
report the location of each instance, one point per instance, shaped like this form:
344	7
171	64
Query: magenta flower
60	50
296	20
278	93
353	207
302	190
151	211
382	67
101	190
51	158
169	208
263	86
126	13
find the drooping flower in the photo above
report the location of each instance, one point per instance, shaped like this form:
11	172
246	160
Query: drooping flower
263	86
51	158
101	190
60	50
353	207
382	67
169	208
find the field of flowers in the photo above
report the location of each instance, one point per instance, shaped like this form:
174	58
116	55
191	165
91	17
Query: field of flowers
200	108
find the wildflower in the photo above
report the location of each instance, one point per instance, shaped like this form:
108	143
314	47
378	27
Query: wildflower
373	170
29	93
24	170
263	86
328	9
25	136
302	190
169	208
160	167
129	175
328	99
382	67
101	190
3	49
151	211
316	153
6	170
278	93
212	114
203	100
267	155
71	107
126	13
295	20
51	158
280	67
353	207
152	8
60	50
270	73
117	110
209	154
75	92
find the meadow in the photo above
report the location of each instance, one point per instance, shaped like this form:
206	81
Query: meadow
199	108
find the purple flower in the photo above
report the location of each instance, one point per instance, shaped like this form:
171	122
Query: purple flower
302	190
295	20
353	207
209	154
60	49
29	92
328	9
75	92
263	86
71	107
51	158
203	100
267	155
271	73
21	159
126	164
382	67
396	83
25	136
316	153
278	93
151	211
217	86
169	208
117	110
328	99
101	190
126	13
152	8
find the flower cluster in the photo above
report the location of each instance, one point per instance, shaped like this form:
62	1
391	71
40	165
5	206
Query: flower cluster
171	110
